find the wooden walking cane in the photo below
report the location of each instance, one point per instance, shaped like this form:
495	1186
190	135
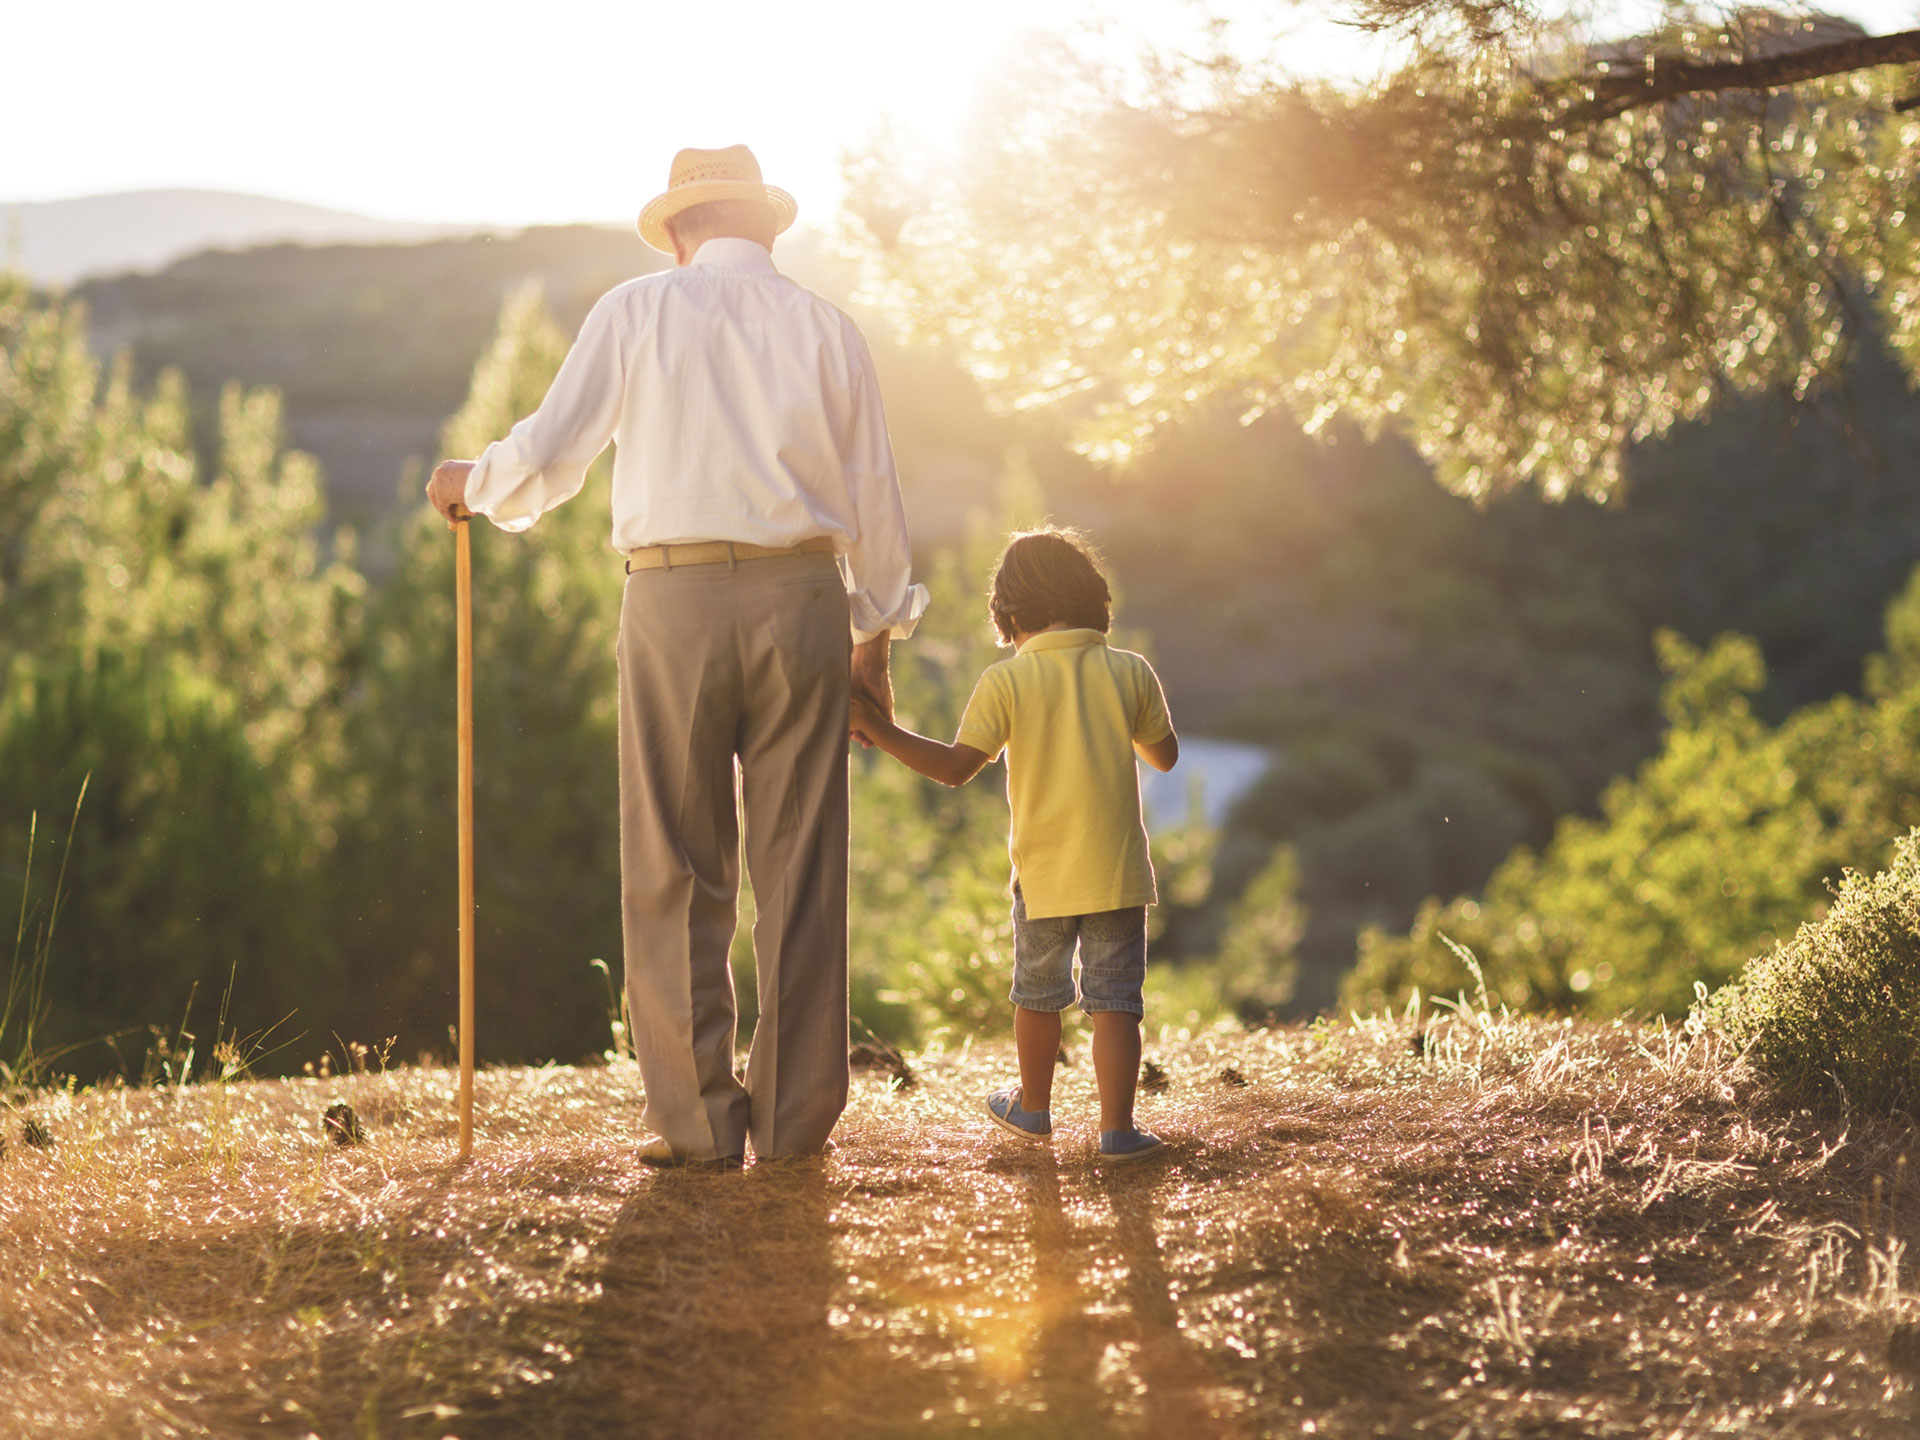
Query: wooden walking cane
463	630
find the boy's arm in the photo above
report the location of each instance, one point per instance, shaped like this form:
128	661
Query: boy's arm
949	764
1151	718
1161	754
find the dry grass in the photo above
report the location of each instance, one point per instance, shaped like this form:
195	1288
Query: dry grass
1526	1229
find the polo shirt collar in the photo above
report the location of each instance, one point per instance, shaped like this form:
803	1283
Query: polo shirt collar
1061	640
730	252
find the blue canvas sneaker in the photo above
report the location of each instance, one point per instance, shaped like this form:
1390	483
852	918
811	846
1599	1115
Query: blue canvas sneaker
1120	1145
1004	1107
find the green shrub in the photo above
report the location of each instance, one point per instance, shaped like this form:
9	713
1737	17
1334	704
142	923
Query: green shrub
186	873
1833	1015
1717	846
1253	972
546	608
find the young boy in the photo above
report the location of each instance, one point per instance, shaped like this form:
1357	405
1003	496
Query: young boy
1070	714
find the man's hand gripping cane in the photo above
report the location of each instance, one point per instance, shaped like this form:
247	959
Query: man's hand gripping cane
447	489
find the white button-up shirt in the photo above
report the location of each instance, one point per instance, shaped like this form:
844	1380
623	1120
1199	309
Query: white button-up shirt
742	407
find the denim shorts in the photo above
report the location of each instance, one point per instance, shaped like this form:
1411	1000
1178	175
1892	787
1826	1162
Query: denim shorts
1113	959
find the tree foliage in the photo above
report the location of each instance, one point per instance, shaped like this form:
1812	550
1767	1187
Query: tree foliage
545	616
1718	847
1508	247
178	637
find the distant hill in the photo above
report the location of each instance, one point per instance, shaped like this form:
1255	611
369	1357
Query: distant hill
60	242
372	345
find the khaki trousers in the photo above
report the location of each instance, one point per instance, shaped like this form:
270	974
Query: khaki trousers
719	663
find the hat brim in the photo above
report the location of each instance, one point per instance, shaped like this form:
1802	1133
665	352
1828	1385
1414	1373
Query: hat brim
652	224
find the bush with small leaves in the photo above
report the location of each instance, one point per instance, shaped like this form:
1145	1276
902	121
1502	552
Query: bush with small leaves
1832	1016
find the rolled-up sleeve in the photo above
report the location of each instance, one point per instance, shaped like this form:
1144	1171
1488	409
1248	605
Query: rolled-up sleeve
543	460
881	594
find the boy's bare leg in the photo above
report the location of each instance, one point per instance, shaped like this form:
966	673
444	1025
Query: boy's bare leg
1116	1065
1036	1035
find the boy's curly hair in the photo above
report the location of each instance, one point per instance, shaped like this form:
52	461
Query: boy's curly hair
1047	576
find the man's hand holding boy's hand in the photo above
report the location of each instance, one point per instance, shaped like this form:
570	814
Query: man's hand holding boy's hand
870	673
865	719
949	764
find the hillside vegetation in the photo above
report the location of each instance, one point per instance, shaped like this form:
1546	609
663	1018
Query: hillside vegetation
1443	682
1440	1225
1711	853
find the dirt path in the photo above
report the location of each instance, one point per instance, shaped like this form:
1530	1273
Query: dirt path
1522	1230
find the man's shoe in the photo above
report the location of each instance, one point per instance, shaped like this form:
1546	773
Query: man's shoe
1119	1146
1004	1107
661	1156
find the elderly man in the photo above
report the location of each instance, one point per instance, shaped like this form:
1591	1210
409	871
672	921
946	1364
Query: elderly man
755	500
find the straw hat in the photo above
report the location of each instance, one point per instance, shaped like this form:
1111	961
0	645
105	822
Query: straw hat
698	176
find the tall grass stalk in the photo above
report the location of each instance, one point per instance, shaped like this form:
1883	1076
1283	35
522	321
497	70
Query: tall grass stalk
619	1021
234	1056
22	1066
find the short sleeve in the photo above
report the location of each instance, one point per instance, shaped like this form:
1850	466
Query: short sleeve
1150	721
989	715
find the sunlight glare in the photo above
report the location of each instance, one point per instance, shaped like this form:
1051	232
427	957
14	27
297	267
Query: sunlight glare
507	115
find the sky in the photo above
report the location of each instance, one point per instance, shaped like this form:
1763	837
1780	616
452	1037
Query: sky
543	112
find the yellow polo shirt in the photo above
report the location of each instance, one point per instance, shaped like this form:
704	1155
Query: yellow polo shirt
1067	708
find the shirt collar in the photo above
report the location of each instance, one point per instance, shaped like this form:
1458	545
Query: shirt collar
1061	640
730	252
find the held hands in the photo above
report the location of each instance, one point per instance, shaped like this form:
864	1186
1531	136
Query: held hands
865	720
447	489
949	764
872	686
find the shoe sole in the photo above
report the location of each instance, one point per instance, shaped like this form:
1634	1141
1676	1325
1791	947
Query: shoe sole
1013	1129
730	1162
1133	1156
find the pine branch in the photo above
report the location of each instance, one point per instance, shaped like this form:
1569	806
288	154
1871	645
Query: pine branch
1614	92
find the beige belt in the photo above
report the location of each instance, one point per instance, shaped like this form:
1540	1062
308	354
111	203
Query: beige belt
719	552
